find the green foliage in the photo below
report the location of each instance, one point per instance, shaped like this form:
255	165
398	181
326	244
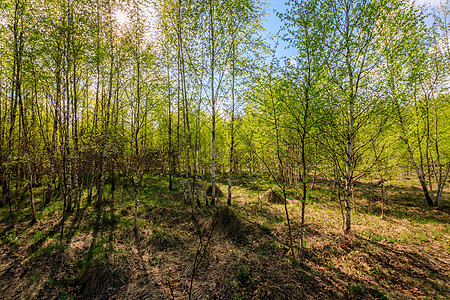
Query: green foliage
244	277
360	290
374	237
92	104
9	238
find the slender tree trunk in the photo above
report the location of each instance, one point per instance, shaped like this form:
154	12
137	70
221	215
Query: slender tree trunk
136	199
56	119
382	180
92	170
304	174
18	45
199	147
138	149
30	187
349	173
188	127
213	103
76	158
282	182
108	108
315	168
67	146
349	157
186	123
26	142
65	191
232	122
383	194
441	173
411	156
169	96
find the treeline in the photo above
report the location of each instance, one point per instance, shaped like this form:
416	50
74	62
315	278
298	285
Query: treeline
94	90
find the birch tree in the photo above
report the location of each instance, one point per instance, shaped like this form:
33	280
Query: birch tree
351	35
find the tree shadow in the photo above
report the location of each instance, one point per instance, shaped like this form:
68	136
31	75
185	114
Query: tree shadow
407	268
75	223
402	203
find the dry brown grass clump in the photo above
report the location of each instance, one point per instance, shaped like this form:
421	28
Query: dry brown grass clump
272	197
229	224
218	191
102	276
164	239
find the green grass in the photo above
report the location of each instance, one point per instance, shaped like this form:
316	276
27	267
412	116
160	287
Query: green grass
374	237
102	244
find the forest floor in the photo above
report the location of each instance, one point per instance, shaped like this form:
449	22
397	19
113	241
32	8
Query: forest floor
405	255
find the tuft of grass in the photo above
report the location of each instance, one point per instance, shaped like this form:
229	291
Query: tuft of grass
164	239
10	238
244	277
227	222
363	291
265	229
374	237
102	274
50	249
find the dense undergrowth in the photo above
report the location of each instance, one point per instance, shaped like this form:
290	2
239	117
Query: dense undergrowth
402	256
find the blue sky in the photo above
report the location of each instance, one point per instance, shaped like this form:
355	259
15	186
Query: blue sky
273	23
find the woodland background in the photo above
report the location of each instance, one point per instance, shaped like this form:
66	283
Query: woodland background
162	149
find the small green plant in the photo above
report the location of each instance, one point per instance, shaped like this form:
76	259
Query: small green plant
375	271
329	263
265	228
244	277
362	291
374	237
63	295
356	288
312	199
52	248
276	245
10	238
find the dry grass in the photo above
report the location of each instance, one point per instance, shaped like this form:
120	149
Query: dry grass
217	191
403	256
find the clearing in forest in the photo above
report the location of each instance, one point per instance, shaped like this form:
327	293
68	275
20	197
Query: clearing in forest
402	256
